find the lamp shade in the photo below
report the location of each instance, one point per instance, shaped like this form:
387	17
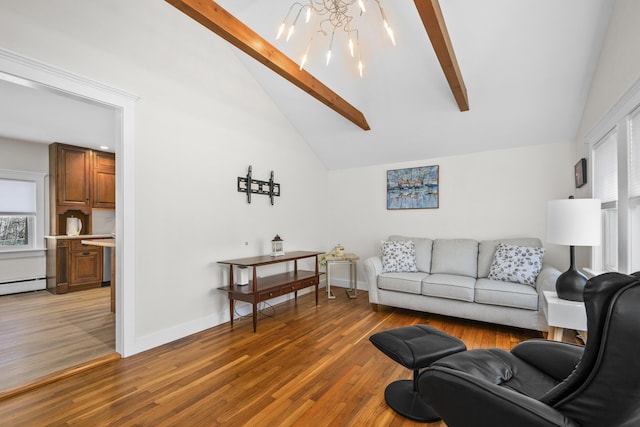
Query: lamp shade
574	222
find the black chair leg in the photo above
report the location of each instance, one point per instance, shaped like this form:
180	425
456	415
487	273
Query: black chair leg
402	396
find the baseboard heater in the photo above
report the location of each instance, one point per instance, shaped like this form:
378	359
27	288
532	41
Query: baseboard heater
23	285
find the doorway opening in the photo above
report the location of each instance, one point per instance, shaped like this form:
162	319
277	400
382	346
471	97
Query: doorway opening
21	70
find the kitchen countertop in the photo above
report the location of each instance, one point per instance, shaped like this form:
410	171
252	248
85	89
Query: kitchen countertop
81	236
108	243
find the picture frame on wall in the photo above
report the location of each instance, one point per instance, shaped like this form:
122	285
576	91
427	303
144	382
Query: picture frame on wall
413	188
580	171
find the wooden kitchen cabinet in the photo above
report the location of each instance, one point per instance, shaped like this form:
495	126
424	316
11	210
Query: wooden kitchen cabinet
104	180
80	180
72	266
72	167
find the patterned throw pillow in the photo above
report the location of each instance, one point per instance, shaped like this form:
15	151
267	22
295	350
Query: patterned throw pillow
520	264
398	256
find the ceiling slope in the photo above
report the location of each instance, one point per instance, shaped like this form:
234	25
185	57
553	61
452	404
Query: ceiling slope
433	21
527	66
221	22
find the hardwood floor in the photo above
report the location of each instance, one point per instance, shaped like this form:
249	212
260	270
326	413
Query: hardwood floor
305	366
41	333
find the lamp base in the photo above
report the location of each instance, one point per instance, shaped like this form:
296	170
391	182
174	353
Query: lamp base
570	285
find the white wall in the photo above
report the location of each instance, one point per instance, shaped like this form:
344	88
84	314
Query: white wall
31	157
490	195
24	156
618	69
200	122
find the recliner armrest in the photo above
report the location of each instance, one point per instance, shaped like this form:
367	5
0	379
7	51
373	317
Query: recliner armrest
556	359
463	400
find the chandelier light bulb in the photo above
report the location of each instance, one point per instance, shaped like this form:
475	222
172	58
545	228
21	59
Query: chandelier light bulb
280	30
290	33
389	31
332	16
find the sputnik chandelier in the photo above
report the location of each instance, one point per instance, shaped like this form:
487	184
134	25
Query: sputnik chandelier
333	15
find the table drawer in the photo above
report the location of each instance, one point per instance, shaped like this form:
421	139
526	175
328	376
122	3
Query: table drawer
265	295
291	287
310	282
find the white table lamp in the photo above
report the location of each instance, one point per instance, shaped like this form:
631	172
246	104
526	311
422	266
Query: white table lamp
573	222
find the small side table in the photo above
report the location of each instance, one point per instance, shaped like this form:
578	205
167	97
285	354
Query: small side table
352	261
564	314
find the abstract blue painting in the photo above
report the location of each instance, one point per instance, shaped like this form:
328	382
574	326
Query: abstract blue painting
413	188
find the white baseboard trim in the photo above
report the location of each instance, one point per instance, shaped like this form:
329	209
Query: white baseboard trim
26	286
168	335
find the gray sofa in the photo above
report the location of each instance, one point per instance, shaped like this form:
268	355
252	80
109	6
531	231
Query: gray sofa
452	279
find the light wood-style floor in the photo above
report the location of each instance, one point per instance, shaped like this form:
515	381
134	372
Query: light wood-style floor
42	333
305	366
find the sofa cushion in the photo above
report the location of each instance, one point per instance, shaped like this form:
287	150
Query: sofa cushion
402	282
455	256
508	294
449	286
423	251
520	264
487	251
398	256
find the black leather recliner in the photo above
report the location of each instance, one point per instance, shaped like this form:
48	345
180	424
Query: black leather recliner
548	383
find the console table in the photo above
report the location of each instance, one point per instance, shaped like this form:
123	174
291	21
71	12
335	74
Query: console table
264	288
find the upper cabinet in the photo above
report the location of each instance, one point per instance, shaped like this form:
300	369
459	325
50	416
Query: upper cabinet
80	179
72	175
104	180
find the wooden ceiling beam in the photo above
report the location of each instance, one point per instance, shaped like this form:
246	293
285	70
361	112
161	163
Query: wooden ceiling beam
433	22
221	22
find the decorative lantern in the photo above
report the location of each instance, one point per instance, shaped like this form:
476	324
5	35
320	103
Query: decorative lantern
277	246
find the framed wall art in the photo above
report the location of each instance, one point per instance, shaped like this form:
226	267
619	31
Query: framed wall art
413	188
580	171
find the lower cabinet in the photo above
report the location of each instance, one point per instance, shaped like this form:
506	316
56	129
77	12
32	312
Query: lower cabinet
72	266
85	267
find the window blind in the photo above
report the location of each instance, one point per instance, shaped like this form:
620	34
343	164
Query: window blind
634	154
17	196
605	169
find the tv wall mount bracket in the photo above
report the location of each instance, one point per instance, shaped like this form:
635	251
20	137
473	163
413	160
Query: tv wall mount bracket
255	186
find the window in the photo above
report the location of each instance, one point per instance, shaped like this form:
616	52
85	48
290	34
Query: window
605	188
22	211
634	189
615	164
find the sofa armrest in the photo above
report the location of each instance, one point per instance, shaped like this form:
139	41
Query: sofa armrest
546	280
463	400
373	268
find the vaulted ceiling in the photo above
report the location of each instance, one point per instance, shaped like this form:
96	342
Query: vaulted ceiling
527	66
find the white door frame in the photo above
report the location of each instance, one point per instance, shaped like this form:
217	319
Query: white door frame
22	70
